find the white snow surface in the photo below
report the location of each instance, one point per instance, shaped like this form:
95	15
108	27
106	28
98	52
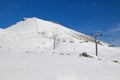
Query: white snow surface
27	53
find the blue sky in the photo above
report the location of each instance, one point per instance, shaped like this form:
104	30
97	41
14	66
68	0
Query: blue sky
85	16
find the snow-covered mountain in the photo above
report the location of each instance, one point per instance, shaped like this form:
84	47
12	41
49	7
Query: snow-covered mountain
35	49
33	34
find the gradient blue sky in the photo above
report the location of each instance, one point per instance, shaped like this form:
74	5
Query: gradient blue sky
84	16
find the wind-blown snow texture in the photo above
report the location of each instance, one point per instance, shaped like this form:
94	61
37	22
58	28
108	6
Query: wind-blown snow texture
35	49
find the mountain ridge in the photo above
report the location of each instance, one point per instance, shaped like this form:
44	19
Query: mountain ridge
38	26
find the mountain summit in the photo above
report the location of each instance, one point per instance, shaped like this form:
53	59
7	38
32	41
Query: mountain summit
34	25
46	28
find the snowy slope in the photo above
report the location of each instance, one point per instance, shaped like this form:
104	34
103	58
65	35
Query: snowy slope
35	49
33	34
56	67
